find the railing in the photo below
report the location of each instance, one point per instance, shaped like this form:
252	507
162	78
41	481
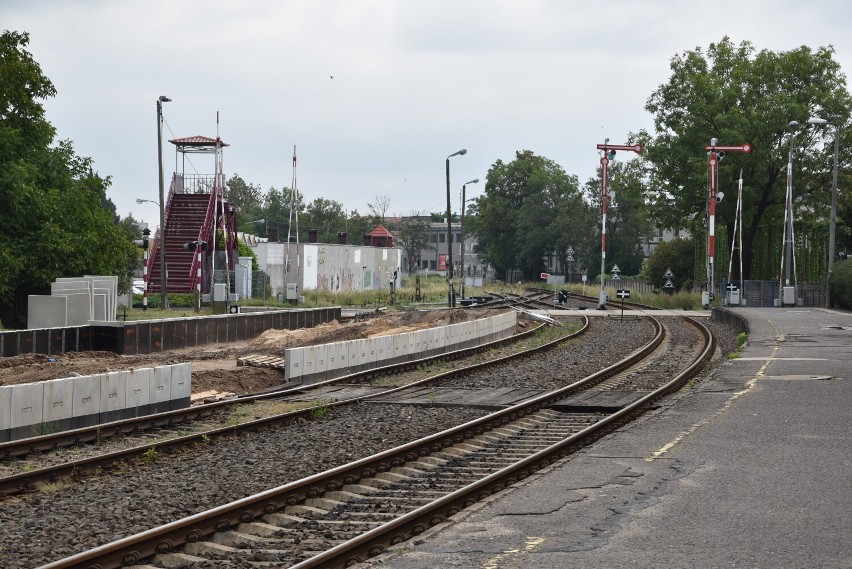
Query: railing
204	234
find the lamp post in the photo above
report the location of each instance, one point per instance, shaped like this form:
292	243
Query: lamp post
788	215
451	295
831	226
461	247
164	297
263	221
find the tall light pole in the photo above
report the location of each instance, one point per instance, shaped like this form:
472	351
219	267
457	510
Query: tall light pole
451	295
164	297
263	221
788	216
831	230
461	248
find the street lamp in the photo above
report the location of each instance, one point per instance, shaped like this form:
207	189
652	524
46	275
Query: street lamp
164	298
788	217
263	221
461	247
451	298
815	120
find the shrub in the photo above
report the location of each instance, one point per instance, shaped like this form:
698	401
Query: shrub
841	285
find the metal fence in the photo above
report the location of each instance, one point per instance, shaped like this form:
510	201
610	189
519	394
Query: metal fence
767	294
256	287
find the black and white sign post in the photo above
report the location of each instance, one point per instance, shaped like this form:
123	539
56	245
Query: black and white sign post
622	294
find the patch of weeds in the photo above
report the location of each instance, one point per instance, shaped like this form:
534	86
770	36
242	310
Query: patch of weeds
205	438
150	455
28	467
237	416
433	397
319	411
741	340
50	487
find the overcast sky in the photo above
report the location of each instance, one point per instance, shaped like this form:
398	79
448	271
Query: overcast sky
413	81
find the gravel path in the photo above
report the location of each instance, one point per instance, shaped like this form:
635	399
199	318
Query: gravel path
49	525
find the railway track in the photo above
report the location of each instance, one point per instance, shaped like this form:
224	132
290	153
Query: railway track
49	458
358	510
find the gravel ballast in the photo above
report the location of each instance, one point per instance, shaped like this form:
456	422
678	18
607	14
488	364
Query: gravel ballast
49	525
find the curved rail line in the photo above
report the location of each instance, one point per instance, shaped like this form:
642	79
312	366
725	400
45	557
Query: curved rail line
26	481
135	549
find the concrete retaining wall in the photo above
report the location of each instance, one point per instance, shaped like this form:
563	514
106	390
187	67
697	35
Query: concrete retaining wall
312	364
33	409
149	336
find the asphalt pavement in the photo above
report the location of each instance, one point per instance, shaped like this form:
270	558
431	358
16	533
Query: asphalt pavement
750	468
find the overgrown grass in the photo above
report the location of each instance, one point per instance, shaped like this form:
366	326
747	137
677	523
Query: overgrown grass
676	301
742	337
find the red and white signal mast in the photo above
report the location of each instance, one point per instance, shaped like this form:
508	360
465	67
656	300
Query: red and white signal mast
607	154
715	153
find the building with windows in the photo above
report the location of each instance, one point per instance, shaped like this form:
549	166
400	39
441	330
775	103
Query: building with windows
437	257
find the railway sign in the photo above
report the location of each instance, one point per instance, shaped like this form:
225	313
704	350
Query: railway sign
544	276
732	287
622	293
669	284
669	274
615	276
615	269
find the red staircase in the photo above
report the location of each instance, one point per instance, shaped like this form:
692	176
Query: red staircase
188	218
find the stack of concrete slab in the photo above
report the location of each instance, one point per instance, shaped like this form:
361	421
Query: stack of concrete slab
33	409
74	302
311	364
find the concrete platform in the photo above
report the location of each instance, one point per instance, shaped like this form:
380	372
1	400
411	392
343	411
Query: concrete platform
752	468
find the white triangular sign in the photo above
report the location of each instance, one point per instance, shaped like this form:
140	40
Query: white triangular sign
615	269
669	274
668	284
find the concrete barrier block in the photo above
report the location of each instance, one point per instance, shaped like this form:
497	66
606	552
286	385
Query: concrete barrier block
332	368
320	362
27	410
58	404
113	396
85	409
46	311
137	391
181	385
159	388
353	357
343	361
372	351
309	365
417	339
5	412
388	348
294	362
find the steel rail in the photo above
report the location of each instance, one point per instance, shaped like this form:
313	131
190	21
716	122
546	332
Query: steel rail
165	539
407	526
24	481
73	437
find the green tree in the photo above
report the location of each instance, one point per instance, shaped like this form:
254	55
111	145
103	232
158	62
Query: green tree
413	238
737	96
515	217
676	255
56	219
326	216
627	217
